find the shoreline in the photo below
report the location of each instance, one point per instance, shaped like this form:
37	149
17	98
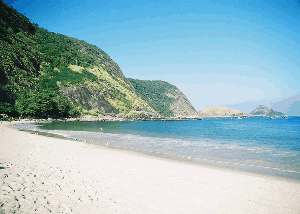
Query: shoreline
76	177
269	170
206	163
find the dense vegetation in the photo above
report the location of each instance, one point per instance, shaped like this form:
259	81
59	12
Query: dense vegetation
45	74
35	63
155	93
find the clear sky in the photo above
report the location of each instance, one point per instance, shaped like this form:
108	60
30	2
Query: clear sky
237	54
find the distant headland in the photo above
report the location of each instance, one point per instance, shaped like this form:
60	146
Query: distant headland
217	111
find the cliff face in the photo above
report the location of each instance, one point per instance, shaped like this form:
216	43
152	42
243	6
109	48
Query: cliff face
216	111
265	111
164	98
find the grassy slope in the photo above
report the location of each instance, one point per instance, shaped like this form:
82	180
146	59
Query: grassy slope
116	90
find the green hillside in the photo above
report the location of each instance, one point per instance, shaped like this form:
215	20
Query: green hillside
154	92
164	98
44	74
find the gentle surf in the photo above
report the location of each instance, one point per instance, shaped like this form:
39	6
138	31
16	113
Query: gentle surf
256	144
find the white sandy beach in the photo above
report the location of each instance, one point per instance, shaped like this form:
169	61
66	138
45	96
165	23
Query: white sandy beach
41	175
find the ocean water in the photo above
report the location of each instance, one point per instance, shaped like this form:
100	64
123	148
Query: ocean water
258	144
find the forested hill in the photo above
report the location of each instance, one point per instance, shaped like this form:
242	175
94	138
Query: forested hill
164	97
45	74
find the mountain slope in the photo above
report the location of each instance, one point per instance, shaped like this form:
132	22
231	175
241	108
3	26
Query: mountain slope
46	74
164	97
216	111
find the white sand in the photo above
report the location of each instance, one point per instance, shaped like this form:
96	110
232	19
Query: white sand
44	174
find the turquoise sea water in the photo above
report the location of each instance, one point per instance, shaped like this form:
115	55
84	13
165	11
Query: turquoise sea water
257	144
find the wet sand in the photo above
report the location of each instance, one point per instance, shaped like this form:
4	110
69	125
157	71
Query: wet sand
42	174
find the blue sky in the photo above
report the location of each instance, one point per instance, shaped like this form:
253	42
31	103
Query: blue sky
238	54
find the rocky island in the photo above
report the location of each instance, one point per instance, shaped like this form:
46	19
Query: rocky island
264	111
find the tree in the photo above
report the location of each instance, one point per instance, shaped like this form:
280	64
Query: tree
6	108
